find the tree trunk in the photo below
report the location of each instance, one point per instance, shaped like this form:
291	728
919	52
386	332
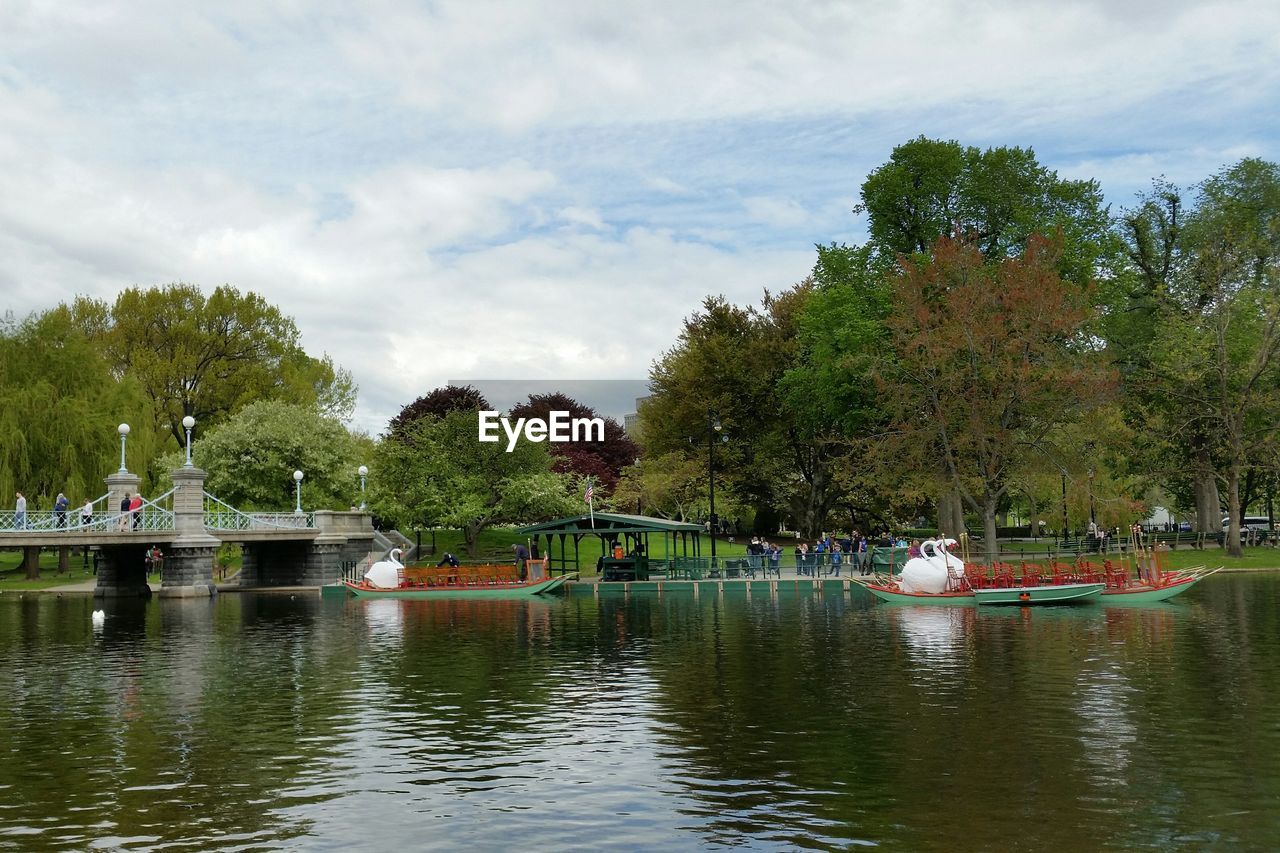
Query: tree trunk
1033	517
471	536
990	545
1233	510
31	559
1208	502
950	513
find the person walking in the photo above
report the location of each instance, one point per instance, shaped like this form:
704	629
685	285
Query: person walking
60	505
20	513
122	523
135	510
86	513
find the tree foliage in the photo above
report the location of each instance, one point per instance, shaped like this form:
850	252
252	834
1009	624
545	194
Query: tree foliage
603	461
209	356
250	458
436	404
988	363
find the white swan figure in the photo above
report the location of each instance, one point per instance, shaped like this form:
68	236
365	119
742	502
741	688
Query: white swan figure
386	574
99	618
927	573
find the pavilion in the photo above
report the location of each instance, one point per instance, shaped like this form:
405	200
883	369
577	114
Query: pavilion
679	538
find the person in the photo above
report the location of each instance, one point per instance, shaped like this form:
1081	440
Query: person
155	559
802	558
617	550
914	550
775	560
448	560
855	552
60	505
135	510
86	513
836	554
123	522
522	560
20	513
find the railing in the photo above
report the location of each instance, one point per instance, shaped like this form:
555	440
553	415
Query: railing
154	514
220	515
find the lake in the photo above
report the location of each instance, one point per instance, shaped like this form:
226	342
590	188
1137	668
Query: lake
258	721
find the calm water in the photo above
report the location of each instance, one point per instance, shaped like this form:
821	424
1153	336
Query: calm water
260	721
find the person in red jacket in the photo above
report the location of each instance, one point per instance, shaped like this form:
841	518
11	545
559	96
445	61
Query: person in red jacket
135	509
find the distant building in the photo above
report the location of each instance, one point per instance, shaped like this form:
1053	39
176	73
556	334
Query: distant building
631	422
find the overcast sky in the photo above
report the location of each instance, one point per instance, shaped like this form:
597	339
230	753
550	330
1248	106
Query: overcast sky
542	190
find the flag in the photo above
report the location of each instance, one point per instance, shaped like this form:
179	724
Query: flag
587	496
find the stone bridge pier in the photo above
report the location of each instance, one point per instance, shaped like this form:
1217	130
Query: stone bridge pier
341	540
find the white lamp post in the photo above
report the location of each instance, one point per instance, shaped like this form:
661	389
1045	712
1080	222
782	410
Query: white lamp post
297	485
363	471
189	423
123	429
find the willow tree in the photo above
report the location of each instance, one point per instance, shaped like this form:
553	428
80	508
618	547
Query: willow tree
987	362
59	407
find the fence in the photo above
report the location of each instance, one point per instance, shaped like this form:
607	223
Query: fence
220	515
154	514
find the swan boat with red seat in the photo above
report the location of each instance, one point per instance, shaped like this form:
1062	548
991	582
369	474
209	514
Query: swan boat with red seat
422	589
390	579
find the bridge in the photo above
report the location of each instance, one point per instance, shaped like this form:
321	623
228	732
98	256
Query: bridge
189	524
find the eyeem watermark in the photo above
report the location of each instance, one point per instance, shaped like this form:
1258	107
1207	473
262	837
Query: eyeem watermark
558	428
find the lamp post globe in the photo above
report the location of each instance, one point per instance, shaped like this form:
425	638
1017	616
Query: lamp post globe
363	471
188	424
123	429
297	486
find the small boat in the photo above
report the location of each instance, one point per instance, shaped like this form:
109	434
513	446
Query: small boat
1074	593
412	589
1166	587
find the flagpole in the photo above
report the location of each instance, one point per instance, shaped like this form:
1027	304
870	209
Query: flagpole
591	506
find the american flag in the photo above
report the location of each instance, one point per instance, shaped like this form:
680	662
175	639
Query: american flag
590	493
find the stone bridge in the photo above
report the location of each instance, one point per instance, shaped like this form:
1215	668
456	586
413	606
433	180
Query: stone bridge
188	524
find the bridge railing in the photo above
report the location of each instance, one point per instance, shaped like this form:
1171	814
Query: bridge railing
154	514
220	515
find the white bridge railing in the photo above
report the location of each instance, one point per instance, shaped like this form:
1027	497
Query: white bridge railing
220	515
154	514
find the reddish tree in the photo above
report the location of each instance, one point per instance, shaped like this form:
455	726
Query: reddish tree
436	404
988	361
603	461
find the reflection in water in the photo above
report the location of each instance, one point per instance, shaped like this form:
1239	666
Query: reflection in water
777	721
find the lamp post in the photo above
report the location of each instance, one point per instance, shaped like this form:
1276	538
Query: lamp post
123	429
714	428
297	488
363	471
189	424
1064	509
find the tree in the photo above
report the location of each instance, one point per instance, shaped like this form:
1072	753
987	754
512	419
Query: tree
988	363
250	458
209	356
998	199
603	461
1199	331
441	474
59	407
436	404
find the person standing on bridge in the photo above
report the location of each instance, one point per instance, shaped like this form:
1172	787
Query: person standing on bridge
86	513
123	522
60	509
20	513
135	509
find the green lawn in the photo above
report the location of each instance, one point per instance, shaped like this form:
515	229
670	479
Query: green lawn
13	579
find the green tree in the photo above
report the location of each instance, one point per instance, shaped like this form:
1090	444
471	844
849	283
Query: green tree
250	458
59	407
442	474
209	356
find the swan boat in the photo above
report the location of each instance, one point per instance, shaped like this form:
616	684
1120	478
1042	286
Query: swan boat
938	577
390	579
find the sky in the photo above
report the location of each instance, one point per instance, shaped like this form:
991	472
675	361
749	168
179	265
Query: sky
517	190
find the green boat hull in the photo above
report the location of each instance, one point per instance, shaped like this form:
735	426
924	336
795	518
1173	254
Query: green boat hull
1067	593
1015	596
487	591
1148	596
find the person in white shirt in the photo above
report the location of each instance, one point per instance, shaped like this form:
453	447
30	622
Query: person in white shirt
20	513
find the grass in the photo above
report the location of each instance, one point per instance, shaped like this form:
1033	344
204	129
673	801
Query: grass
13	579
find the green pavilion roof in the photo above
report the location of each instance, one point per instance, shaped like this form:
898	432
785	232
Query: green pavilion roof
612	522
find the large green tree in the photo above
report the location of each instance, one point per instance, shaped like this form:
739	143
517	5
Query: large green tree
437	472
60	403
208	356
250	458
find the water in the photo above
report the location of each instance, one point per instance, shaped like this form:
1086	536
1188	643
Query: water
797	721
